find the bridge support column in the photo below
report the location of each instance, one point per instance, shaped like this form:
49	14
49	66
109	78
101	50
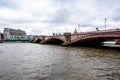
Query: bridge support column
43	40
67	39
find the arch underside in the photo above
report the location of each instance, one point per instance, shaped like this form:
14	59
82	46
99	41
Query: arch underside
92	41
54	41
38	40
31	41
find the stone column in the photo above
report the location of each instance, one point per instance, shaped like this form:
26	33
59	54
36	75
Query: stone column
43	40
67	41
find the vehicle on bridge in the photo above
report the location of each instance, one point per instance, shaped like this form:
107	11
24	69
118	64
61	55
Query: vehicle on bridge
117	41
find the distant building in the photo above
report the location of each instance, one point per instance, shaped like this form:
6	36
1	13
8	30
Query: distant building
75	31
14	33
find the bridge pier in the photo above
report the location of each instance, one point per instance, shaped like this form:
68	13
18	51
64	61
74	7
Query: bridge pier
67	41
43	40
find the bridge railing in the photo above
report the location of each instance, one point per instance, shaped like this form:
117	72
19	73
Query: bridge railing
61	37
114	33
85	35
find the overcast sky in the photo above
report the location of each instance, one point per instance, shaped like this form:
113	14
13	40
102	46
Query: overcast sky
48	16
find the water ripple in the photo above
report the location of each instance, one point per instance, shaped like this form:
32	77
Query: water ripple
26	61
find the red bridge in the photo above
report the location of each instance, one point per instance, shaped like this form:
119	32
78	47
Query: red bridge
93	38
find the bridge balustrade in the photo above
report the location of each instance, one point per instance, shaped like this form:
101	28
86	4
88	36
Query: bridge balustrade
83	35
95	35
61	37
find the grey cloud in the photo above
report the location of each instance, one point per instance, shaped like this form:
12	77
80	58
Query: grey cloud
16	21
8	4
60	16
20	21
116	14
62	2
36	31
117	19
87	13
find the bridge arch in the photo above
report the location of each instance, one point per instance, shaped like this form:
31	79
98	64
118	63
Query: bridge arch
92	41
87	42
54	41
38	40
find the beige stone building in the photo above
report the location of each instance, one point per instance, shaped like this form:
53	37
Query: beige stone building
14	33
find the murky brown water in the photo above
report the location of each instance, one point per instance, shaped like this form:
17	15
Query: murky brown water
26	61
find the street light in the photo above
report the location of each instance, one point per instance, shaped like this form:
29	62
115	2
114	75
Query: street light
78	27
105	23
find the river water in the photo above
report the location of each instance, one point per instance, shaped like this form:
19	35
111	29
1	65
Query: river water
28	61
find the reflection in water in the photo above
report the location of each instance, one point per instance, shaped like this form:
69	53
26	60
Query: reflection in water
26	61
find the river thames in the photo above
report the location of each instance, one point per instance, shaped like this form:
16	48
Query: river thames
28	61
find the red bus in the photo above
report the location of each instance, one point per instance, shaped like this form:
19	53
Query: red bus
117	41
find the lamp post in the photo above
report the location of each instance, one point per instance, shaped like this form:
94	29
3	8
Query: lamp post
105	23
78	27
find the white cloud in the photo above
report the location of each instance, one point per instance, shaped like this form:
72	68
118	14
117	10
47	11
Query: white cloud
48	16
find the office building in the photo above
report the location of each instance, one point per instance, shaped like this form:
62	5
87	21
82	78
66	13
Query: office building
14	33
